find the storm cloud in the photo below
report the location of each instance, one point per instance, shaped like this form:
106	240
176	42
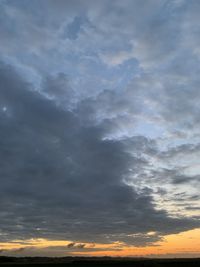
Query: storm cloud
61	179
99	120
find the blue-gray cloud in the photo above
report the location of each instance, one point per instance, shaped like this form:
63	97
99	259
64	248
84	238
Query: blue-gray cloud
99	119
60	179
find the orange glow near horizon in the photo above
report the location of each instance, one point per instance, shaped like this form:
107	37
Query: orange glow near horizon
182	244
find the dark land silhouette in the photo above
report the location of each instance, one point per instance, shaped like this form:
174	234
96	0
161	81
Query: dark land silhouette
97	261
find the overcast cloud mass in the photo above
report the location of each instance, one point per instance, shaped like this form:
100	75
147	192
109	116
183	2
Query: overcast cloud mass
99	120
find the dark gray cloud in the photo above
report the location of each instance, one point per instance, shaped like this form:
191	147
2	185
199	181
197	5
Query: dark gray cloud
105	135
60	179
19	250
181	179
76	245
71	245
56	250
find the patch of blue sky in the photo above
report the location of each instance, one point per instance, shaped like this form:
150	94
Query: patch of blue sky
149	130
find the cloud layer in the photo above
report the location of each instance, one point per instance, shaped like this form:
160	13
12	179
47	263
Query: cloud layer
99	112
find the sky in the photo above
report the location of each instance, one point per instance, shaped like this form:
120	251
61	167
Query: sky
100	128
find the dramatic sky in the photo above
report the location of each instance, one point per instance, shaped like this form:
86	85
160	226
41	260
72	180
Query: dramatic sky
100	127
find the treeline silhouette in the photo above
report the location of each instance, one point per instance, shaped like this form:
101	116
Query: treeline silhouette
96	261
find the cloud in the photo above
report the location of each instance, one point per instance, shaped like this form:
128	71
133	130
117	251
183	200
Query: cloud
103	128
74	245
71	245
60	179
19	250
